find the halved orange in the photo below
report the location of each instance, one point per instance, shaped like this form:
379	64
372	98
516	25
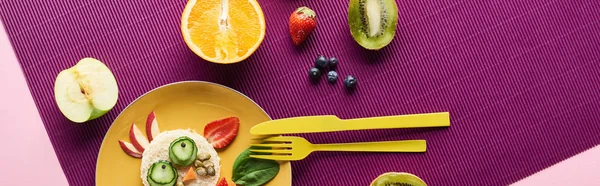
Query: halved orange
223	31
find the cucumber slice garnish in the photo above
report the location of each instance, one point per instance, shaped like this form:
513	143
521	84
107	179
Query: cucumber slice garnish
152	183
183	151
162	173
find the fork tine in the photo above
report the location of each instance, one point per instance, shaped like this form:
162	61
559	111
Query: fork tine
263	137
274	157
280	145
289	152
278	139
260	137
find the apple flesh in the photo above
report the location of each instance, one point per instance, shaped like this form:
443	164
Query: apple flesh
137	138
152	126
85	91
130	149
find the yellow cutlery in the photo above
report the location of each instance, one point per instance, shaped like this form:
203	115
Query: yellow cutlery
328	123
290	148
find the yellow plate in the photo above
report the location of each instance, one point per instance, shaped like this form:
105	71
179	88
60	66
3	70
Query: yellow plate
183	105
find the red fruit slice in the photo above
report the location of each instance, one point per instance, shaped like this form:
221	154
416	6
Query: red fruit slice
130	149
221	132
222	182
152	126
137	138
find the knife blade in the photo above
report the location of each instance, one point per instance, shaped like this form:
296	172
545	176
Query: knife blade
331	123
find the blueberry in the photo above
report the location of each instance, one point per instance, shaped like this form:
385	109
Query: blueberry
321	62
332	76
350	82
314	73
333	63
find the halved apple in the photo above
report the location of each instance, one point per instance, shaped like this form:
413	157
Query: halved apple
152	126
86	91
137	138
130	149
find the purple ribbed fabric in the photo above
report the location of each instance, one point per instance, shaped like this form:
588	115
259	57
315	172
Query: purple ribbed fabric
521	79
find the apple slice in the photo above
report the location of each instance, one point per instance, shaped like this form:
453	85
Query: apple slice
137	138
152	126
85	91
130	149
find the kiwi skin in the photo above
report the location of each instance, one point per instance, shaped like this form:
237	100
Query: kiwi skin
356	24
398	178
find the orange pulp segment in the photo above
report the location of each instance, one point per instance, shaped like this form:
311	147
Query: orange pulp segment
223	31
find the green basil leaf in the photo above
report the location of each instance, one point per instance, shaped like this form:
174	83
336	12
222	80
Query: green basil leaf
249	171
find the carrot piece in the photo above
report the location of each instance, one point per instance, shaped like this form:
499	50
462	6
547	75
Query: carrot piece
190	175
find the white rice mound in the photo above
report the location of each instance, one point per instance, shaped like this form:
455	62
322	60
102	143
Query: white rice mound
159	150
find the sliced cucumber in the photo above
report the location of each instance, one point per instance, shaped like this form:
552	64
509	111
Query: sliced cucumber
183	151
152	183
162	173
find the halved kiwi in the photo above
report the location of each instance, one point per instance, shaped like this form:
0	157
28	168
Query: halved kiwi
373	22
398	179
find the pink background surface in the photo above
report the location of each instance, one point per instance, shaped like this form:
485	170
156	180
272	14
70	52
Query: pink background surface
27	148
27	156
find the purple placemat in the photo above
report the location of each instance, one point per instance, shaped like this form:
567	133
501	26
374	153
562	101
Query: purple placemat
520	78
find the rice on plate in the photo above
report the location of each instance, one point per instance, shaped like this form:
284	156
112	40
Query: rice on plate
158	150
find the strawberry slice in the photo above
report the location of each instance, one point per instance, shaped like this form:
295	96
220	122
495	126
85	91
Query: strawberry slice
222	182
221	132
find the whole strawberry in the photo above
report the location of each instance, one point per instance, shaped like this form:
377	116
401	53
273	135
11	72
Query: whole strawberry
302	22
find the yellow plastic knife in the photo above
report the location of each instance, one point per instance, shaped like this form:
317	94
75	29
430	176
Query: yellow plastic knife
330	123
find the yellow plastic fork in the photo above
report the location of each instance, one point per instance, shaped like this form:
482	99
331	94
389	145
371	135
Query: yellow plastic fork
289	148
